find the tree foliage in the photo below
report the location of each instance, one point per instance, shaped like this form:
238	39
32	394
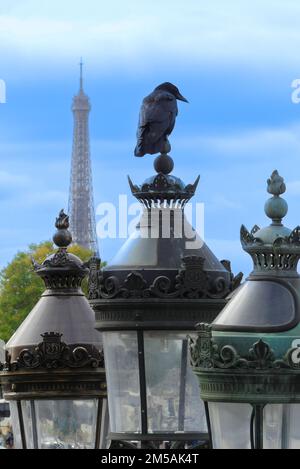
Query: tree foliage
20	287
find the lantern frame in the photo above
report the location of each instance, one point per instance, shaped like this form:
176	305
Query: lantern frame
156	284
56	356
250	354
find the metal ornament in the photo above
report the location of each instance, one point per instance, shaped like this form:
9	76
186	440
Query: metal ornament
52	353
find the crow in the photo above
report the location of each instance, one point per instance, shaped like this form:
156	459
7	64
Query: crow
157	119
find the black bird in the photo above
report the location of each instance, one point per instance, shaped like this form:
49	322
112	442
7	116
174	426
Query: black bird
157	119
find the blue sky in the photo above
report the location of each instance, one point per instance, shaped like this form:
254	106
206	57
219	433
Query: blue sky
234	61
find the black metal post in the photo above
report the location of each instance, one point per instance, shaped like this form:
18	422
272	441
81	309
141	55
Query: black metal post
208	424
98	424
259	427
143	385
22	428
182	390
34	425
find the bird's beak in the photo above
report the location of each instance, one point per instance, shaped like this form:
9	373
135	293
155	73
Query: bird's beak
181	98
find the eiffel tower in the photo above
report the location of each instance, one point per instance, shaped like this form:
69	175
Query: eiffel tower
81	199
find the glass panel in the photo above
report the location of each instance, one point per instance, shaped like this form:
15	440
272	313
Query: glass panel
15	425
26	410
281	426
173	394
291	419
60	424
6	436
122	374
230	425
273	420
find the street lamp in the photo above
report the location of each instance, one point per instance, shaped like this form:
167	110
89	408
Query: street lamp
54	375
159	285
248	360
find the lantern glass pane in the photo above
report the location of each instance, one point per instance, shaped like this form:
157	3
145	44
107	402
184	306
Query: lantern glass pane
273	430
281	426
122	374
173	394
291	419
26	411
60	424
14	416
230	425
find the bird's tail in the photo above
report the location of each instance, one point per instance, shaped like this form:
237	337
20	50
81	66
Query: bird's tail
138	152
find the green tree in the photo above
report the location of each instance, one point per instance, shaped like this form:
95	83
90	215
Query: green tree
20	287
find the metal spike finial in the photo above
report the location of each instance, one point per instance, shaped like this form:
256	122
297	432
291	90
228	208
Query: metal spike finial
62	221
81	74
62	238
81	200
276	184
276	208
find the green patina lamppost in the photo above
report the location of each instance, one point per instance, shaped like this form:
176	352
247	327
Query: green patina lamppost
248	360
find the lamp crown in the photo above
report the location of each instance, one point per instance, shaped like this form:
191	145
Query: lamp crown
62	238
275	248
62	270
276	208
276	184
164	189
62	221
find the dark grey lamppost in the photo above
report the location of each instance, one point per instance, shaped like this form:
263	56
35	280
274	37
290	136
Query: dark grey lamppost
147	301
54	375
248	360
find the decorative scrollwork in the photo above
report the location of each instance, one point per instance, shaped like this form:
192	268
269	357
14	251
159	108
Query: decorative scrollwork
60	259
202	349
163	188
292	358
135	283
62	221
52	353
294	237
109	287
95	276
207	355
248	238
236	280
191	282
161	287
255	229
282	255
261	355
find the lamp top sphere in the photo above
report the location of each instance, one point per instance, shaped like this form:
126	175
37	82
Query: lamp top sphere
62	238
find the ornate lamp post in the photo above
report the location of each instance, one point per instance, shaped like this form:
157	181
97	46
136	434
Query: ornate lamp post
54	375
248	360
147	301
4	406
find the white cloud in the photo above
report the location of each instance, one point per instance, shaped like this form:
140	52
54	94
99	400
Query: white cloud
129	33
253	140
